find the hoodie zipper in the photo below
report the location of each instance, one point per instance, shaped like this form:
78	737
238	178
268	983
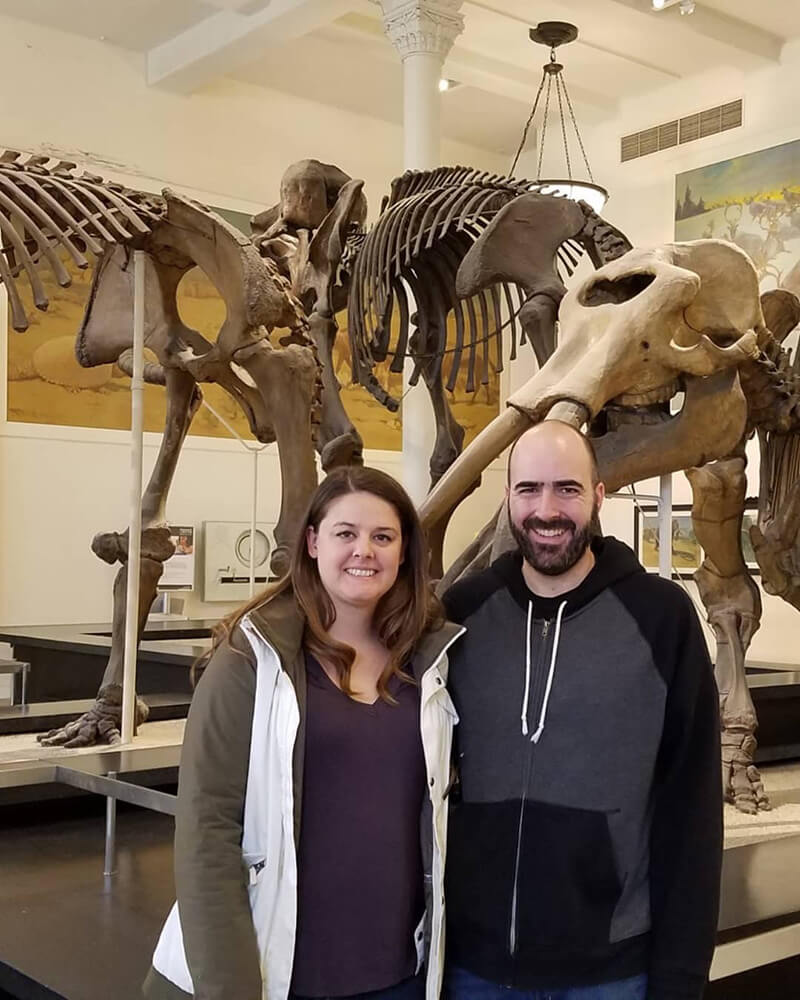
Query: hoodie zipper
526	777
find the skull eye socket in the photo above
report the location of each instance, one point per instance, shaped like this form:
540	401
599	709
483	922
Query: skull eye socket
615	291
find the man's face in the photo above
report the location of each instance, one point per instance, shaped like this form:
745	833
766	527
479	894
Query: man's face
552	503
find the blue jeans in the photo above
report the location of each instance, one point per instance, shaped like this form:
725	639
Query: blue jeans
462	985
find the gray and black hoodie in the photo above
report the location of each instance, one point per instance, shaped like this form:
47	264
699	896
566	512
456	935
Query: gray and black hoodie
585	839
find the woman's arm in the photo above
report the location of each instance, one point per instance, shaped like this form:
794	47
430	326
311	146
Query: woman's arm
218	933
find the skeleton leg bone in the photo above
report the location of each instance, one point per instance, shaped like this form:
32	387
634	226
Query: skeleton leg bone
288	377
338	441
775	541
449	432
733	603
101	724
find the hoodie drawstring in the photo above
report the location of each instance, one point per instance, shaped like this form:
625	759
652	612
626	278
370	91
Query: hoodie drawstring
548	687
524	716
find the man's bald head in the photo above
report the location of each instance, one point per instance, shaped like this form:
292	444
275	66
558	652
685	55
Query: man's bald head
554	498
550	434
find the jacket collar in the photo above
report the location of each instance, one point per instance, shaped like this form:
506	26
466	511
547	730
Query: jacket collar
281	622
431	646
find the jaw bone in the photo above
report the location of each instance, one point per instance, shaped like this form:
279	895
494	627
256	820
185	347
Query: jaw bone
710	424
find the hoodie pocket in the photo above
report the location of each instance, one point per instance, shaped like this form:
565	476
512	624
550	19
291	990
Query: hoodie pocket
568	881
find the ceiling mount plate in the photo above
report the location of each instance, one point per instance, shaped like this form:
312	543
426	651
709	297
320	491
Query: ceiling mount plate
553	33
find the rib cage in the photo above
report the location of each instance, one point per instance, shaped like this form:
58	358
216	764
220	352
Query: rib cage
47	206
777	418
427	224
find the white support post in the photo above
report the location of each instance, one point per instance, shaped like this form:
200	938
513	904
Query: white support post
423	32
665	526
135	525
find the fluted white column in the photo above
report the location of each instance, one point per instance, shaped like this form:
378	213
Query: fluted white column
423	34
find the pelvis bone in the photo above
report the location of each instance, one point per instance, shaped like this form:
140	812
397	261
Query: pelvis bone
633	333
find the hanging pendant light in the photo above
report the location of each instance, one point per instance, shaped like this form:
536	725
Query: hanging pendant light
553	34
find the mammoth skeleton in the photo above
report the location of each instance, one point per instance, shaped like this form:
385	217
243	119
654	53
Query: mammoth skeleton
680	319
49	210
647	326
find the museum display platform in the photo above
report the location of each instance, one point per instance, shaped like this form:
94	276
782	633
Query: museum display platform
67	664
67	932
775	689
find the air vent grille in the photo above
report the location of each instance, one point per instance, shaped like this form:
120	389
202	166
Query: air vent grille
682	130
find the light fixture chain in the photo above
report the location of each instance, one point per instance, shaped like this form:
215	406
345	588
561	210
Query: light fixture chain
563	125
544	124
577	132
527	126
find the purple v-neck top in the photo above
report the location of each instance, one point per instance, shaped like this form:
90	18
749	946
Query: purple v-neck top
360	880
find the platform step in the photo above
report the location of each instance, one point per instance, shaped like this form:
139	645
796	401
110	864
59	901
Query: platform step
40	716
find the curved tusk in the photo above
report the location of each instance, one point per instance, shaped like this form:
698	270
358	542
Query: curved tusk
569	412
706	358
486	447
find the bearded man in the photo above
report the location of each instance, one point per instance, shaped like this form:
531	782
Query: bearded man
585	831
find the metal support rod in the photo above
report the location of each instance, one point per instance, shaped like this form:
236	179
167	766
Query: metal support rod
123	791
665	526
253	515
109	857
135	525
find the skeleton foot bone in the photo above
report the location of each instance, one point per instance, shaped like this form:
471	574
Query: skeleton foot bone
101	724
741	779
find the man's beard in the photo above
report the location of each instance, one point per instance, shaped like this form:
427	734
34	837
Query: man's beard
553	560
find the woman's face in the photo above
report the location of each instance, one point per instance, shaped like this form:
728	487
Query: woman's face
358	549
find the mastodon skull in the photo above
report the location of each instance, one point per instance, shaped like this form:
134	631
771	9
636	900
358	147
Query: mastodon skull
634	328
635	332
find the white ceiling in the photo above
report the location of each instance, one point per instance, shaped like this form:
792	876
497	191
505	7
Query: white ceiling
334	51
131	24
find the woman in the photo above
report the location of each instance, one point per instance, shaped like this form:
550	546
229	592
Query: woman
316	751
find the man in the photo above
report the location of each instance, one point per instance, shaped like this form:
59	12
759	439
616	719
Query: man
585	835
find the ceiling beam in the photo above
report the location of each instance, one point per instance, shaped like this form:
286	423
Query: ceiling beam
229	39
510	80
743	36
491	7
473	69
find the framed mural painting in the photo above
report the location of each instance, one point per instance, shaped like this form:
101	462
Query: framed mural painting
687	553
752	201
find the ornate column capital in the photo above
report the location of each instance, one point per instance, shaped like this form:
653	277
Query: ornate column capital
421	25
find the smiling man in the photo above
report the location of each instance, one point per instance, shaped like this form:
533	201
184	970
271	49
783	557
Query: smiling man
585	837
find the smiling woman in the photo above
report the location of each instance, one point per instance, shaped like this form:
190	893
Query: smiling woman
316	753
359	575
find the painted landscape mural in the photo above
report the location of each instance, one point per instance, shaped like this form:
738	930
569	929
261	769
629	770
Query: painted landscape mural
753	201
46	385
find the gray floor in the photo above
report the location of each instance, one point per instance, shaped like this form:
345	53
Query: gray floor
67	931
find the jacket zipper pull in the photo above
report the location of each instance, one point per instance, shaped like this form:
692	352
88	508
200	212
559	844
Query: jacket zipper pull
545	627
255	871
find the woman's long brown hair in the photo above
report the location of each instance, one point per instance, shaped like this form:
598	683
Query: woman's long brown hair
401	616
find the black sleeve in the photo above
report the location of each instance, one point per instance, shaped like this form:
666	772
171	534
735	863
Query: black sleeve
218	933
456	601
686	836
466	595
